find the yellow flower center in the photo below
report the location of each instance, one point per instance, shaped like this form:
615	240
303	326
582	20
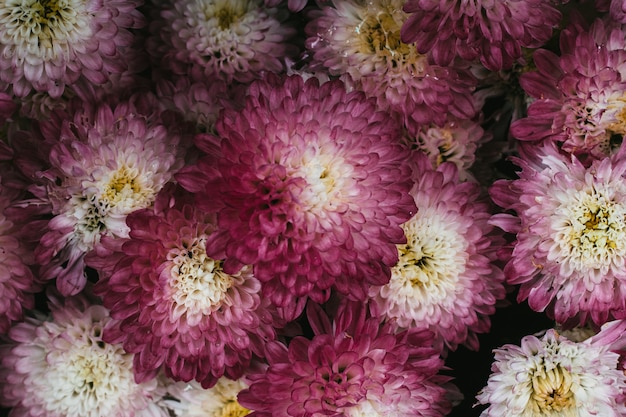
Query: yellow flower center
226	16
551	391
232	409
380	35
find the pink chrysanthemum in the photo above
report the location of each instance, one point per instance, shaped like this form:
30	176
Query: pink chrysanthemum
355	366
445	280
48	44
570	252
492	31
175	307
362	39
552	376
581	95
60	366
225	39
17	284
104	162
311	186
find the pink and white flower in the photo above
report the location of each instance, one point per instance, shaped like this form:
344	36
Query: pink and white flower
310	184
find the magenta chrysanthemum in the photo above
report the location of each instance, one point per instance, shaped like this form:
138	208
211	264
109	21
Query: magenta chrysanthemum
224	39
580	95
60	366
104	162
362	39
175	307
311	187
446	279
48	44
492	31
570	252
552	376
354	367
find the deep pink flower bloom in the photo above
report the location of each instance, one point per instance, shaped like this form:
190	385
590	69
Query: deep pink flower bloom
90	167
352	366
45	46
174	307
570	254
492	31
446	279
311	185
580	99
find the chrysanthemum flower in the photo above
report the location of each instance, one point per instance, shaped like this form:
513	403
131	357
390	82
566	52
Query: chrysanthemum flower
191	400
48	44
311	186
570	252
104	162
456	142
355	366
445	280
175	307
17	284
362	39
580	95
552	376
60	366
492	31
224	39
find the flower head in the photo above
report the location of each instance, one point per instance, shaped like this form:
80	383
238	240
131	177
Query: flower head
224	39
362	39
492	31
580	96
570	252
60	366
48	44
552	376
103	162
445	279
175	307
310	186
354	366
191	400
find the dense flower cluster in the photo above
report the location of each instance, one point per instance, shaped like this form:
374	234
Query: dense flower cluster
312	208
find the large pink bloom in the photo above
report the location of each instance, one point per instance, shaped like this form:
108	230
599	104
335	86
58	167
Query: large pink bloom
310	185
46	45
492	31
580	96
353	366
570	254
174	306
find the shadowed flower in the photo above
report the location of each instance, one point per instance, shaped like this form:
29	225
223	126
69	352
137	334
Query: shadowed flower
104	162
445	280
552	376
175	307
580	95
311	186
191	400
48	44
355	366
492	31
224	39
362	39
60	366
570	252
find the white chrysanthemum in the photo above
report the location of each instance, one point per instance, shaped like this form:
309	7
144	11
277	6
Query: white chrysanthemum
62	367
227	39
191	400
555	377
